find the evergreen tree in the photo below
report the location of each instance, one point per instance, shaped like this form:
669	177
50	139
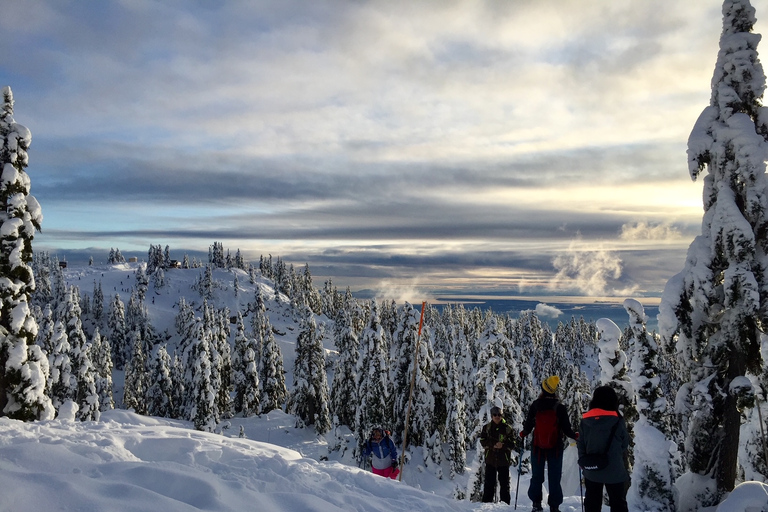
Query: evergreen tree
222	362
272	376
136	378
344	389
160	393
118	333
101	357
455	421
309	398
201	395
245	372
97	312
22	381
372	383
62	382
715	309
652	475
178	389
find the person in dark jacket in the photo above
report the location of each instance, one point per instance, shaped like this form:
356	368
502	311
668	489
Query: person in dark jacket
498	439
548	443
595	429
383	453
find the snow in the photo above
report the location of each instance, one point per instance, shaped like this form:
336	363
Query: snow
749	497
129	463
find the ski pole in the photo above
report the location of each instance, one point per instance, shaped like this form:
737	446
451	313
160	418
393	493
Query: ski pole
519	469
581	490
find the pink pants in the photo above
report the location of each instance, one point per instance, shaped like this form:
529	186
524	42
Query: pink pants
390	472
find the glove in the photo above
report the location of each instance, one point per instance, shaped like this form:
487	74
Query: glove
394	463
577	436
522	434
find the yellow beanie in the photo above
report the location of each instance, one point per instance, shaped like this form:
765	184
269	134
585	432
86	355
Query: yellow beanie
550	384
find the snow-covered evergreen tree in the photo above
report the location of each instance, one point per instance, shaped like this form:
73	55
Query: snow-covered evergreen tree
62	382
372	379
22	381
201	395
118	334
309	398
716	307
245	372
652	476
344	389
160	395
136	377
101	357
271	374
97	312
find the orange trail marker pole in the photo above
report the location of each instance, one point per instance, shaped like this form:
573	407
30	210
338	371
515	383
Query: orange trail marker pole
413	384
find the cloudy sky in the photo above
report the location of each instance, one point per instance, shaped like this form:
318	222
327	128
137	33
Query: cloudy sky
516	147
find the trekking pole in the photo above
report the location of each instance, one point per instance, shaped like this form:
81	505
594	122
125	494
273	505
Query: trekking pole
410	397
520	469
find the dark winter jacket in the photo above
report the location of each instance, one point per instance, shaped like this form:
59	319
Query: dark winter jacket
493	433
596	425
547	402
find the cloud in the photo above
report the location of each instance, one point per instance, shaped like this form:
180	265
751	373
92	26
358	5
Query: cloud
590	271
545	310
649	231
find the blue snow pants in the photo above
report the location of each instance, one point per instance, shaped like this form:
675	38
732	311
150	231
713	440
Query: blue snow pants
554	461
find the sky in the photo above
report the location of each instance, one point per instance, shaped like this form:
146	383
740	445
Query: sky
421	148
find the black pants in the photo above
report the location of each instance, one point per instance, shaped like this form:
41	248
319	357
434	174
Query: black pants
489	489
593	496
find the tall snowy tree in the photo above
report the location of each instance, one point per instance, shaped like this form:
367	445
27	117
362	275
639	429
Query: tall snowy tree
344	388
271	374
245	372
22	381
62	384
309	398
136	378
715	309
160	393
118	333
372	379
101	357
652	475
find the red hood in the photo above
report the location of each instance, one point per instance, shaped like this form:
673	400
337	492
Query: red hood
594	413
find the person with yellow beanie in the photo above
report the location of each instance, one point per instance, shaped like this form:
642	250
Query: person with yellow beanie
549	421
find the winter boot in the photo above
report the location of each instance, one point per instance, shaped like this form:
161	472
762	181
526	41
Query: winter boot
537	508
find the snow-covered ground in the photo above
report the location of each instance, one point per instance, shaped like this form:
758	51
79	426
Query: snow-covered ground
126	462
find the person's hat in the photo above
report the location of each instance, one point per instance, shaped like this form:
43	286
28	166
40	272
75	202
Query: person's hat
550	384
495	410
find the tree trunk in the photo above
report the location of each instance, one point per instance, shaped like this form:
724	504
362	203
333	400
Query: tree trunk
729	454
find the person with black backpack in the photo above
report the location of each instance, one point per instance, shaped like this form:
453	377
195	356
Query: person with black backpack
548	420
498	439
602	445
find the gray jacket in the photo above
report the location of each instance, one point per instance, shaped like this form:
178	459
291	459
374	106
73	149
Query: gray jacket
596	425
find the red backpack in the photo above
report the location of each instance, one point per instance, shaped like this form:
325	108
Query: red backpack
546	433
